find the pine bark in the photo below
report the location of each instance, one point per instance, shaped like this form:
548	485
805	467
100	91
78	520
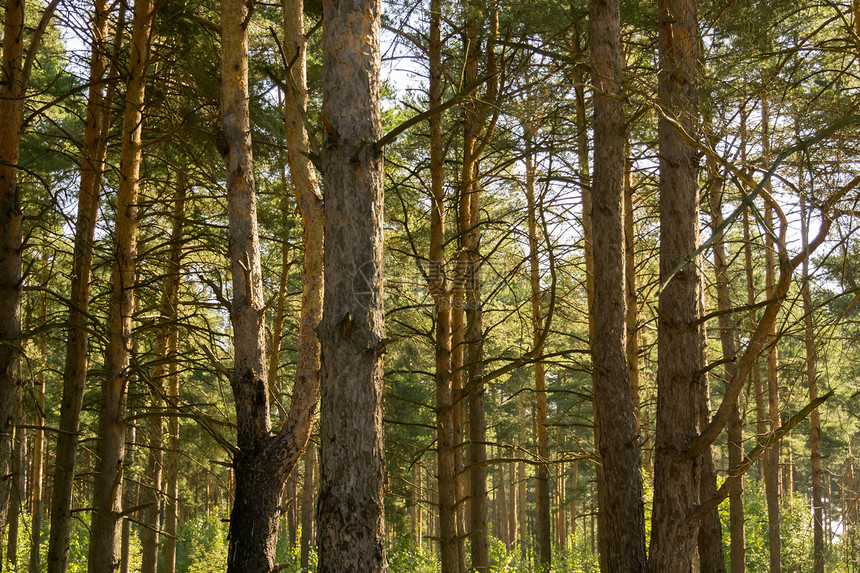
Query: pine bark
12	87
94	152
622	508
107	499
679	379
350	526
442	302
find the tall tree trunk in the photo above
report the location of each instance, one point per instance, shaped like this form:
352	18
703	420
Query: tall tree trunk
542	503
710	538
522	516
107	496
165	358
262	461
36	508
12	88
770	459
254	517
351	456
630	291
307	507
758	391
16	496
94	152
679	373
129	500
618	444
442	301
170	312
727	341
584	175
814	417
475	136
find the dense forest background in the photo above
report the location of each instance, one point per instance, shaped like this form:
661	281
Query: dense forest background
120	395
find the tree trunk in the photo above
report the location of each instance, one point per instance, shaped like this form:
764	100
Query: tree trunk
307	507
522	516
814	417
758	391
351	456
254	517
710	539
449	543
679	373
164	362
16	497
770	459
12	89
262	461
107	499
170	312
727	340
94	153
542	503
36	507
129	500
618	445
631	292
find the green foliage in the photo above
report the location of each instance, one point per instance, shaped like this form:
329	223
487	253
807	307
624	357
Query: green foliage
405	557
202	544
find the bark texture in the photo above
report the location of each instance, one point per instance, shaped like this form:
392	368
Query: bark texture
679	379
107	495
351	535
442	301
622	505
12	86
262	460
93	152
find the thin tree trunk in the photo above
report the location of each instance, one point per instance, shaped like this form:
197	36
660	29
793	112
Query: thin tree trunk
107	499
350	527
814	417
502	512
727	341
307	507
679	378
630	290
758	391
164	361
170	312
16	497
522	517
542	503
618	444
449	543
94	153
770	459
36	508
710	539
129	499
